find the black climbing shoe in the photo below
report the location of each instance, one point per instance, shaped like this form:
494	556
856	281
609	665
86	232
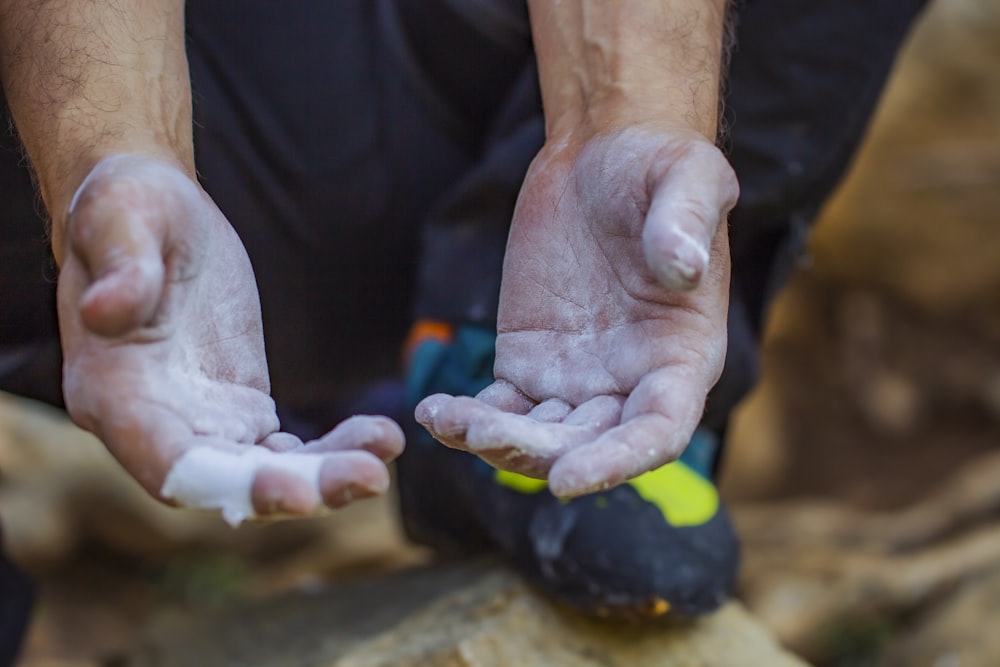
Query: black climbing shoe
659	545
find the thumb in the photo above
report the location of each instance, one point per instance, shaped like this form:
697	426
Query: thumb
110	231
691	197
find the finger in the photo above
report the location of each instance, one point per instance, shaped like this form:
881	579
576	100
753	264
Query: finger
553	410
243	482
657	422
438	414
500	394
122	257
513	442
348	476
518	445
125	291
277	491
212	474
235	413
694	195
449	418
598	414
377	435
617	455
505	396
281	442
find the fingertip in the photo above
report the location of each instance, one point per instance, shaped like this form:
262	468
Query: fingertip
642	444
580	472
381	436
676	258
122	299
351	476
393	448
505	396
276	491
375	434
453	417
427	409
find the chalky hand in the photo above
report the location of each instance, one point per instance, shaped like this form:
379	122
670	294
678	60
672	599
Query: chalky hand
164	356
612	319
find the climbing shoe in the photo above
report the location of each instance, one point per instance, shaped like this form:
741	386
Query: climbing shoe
660	545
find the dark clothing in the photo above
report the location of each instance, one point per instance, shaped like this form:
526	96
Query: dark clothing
803	82
16	596
340	138
369	155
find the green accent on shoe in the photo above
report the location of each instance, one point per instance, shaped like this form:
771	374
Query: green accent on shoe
684	497
519	483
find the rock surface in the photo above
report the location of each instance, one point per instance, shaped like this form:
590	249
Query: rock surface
952	635
884	349
833	582
474	615
61	493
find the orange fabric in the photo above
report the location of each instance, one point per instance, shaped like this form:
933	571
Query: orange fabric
424	330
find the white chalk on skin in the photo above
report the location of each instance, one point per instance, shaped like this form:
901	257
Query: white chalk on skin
214	479
686	259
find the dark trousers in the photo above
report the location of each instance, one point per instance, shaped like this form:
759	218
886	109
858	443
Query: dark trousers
16	596
369	153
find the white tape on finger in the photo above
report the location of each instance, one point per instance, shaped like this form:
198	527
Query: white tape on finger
213	479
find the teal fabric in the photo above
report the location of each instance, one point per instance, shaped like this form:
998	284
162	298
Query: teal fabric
463	367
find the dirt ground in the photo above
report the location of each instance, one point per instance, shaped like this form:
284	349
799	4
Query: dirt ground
881	389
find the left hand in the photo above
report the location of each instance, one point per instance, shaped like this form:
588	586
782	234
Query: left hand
612	318
164	356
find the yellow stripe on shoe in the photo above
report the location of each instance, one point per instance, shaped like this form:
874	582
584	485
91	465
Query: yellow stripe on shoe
519	483
684	497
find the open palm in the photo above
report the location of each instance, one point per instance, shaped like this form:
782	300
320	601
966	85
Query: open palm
612	320
164	354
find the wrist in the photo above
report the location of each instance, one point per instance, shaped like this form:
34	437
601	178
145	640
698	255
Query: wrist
607	66
61	177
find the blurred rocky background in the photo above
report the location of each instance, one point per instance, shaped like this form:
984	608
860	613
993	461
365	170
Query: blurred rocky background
864	472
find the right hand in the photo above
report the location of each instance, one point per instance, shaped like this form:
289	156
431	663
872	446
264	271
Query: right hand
613	306
164	351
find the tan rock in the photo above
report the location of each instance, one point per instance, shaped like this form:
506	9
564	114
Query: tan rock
824	576
955	634
476	615
881	362
61	490
916	217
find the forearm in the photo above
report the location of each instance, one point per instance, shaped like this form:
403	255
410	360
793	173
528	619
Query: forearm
607	64
85	79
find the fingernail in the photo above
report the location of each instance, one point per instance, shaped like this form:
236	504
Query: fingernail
686	261
426	412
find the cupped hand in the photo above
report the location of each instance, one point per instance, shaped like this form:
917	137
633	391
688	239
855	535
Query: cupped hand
164	355
612	318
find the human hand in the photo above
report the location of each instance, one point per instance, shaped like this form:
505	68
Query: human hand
164	355
612	318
